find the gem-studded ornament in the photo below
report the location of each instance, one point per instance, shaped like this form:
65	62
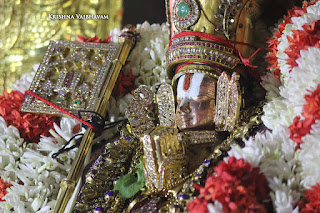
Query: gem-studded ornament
98	210
228	102
71	76
226	15
185	13
187	48
166	105
80	96
198	137
139	111
109	195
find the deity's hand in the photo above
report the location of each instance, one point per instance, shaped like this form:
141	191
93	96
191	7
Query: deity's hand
164	158
164	155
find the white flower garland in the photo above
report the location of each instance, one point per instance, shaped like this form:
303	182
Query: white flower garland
288	172
308	155
312	15
32	164
274	154
296	82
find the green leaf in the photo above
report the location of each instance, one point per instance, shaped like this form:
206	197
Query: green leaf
129	184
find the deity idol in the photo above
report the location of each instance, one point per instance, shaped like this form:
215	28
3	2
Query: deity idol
185	128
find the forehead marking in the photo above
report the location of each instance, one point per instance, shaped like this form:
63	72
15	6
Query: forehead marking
186	84
194	87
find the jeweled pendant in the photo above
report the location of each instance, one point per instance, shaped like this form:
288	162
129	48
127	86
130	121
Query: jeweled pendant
182	9
185	13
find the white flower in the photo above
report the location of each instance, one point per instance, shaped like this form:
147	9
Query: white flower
24	82
284	201
115	33
66	128
11	149
215	207
40	173
308	155
147	59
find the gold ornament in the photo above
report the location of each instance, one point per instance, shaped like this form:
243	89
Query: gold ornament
71	77
103	93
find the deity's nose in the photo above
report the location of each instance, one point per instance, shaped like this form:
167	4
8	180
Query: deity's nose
185	105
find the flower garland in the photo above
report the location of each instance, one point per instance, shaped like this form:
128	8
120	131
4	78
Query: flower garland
235	186
274	153
288	155
33	175
30	126
294	102
294	34
291	113
297	53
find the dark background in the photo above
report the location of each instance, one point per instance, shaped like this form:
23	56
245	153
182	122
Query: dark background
138	11
153	11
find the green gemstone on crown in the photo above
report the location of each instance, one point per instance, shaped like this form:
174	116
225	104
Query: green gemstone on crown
182	9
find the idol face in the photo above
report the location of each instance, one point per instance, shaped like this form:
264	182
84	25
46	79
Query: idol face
195	102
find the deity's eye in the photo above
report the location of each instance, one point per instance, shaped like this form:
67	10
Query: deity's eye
202	98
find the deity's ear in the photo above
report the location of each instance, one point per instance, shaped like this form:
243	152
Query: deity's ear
228	102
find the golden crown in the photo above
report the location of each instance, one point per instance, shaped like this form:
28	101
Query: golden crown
214	33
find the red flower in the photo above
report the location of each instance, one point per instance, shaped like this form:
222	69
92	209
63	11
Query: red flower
94	39
30	126
308	3
302	40
198	205
312	200
313	103
296	12
124	84
3	187
299	127
237	186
